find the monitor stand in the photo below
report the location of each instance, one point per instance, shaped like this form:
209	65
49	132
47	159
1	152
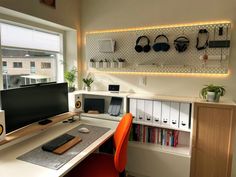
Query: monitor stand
44	122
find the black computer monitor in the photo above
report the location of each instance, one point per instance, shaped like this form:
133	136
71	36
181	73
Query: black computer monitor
30	104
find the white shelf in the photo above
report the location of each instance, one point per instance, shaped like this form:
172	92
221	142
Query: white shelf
103	93
160	126
181	150
163	97
102	116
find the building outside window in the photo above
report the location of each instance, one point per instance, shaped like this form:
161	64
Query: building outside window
45	65
4	63
32	67
32	64
4	67
17	64
29	56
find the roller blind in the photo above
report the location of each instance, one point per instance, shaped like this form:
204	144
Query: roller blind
20	37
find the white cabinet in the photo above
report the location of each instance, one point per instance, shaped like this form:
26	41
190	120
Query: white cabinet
133	108
162	125
157	112
165	113
148	107
140	111
174	115
184	116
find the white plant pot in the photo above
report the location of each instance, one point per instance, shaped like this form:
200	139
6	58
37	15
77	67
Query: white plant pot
211	96
121	64
113	64
92	64
87	88
105	65
97	64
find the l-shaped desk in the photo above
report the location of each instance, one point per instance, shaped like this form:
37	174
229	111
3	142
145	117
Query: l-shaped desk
10	166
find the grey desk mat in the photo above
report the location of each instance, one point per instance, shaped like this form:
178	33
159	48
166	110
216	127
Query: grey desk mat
53	161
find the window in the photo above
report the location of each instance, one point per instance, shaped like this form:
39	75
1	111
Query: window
4	63
32	64
32	67
17	64
45	65
30	56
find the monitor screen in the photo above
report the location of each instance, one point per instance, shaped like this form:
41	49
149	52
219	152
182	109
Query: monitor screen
30	104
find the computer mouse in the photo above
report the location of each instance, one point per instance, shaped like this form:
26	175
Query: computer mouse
84	130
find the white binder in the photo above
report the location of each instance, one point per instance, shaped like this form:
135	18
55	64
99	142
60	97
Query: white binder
157	112
165	113
148	106
174	115
133	108
140	110
184	116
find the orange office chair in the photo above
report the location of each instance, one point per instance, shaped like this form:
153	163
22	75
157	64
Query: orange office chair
107	165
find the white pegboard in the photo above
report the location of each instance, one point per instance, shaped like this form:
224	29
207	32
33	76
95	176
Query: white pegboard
164	62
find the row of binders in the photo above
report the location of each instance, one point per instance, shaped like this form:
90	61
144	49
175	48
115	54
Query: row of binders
166	113
147	134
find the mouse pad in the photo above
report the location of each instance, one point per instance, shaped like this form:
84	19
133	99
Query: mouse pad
53	161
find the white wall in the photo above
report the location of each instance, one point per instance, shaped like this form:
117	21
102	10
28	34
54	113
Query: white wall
66	12
111	14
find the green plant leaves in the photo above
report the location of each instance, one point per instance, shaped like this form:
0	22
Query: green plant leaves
212	88
70	77
88	81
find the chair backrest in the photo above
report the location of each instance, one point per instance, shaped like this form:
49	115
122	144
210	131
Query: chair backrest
121	138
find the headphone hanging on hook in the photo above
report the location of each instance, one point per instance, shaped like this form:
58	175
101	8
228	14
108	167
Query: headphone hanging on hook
202	32
181	43
161	46
139	48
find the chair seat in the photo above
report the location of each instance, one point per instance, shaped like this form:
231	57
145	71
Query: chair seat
96	165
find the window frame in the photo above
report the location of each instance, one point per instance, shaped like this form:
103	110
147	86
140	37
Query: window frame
46	65
4	64
17	64
59	67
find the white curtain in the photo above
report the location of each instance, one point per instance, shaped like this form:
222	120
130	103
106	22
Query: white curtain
20	37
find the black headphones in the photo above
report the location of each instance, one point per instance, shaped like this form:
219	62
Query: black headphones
202	32
181	43
161	46
146	48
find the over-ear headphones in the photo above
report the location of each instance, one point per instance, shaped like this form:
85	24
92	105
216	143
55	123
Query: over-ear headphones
201	32
145	48
161	46
181	43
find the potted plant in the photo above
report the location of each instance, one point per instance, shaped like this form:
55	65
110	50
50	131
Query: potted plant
105	63
70	77
121	62
88	81
113	63
92	63
212	92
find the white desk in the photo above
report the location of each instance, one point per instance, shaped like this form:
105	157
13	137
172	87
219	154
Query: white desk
11	167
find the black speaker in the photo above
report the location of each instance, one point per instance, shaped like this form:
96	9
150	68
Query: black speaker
2	125
114	88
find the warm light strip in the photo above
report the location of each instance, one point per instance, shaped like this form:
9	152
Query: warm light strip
166	74
158	27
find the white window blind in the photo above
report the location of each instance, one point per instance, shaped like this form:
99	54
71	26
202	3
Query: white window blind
15	36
